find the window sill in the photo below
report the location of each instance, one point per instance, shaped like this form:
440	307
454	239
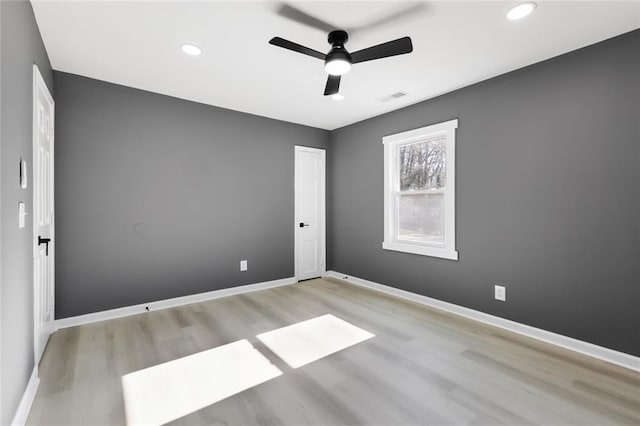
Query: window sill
443	253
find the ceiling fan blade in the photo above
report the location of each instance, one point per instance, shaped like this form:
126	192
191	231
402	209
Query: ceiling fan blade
333	85
280	42
391	48
304	18
403	10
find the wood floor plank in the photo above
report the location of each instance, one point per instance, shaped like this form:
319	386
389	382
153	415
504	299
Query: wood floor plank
424	366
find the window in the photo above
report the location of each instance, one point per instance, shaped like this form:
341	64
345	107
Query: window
419	191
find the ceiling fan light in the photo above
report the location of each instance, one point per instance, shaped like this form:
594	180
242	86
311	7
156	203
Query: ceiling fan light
337	66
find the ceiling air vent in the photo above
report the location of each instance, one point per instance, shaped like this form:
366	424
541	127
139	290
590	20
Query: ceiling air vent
393	97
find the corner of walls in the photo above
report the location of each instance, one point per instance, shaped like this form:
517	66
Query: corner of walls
330	182
1	241
21	47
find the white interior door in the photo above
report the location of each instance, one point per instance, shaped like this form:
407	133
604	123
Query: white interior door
310	212
43	213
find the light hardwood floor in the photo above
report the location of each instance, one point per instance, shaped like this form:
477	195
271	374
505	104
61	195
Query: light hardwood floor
423	366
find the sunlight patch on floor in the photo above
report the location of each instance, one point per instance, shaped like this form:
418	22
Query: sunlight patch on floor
307	341
165	392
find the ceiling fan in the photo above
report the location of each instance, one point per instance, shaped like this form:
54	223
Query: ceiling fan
338	61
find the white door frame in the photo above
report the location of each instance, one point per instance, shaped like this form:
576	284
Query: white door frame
323	206
39	84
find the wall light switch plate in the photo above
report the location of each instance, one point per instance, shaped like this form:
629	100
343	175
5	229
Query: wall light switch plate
243	265
22	213
501	293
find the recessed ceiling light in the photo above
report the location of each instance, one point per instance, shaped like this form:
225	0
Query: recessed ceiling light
191	49
337	97
521	10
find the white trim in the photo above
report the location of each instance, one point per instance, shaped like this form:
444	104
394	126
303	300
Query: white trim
1	239
168	303
615	357
323	207
447	249
418	134
22	413
442	252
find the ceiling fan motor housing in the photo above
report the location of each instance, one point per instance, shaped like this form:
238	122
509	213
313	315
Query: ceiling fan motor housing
338	52
338	38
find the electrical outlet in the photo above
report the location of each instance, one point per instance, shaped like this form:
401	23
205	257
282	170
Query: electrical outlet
243	265
500	293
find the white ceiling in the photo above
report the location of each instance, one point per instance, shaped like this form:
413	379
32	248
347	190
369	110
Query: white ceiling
137	44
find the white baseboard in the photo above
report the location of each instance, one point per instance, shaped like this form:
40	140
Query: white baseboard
168	303
20	418
615	357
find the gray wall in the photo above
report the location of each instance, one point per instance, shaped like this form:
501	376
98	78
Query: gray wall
21	48
548	199
158	197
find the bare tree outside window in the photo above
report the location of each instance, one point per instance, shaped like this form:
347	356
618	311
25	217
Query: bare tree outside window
422	165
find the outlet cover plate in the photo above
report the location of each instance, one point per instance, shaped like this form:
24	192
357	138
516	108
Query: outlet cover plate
243	265
500	293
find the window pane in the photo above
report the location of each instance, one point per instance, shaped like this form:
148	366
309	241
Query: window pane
422	165
421	217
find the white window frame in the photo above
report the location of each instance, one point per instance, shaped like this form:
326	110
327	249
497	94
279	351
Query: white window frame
446	249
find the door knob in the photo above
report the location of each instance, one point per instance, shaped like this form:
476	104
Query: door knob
46	242
302	224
